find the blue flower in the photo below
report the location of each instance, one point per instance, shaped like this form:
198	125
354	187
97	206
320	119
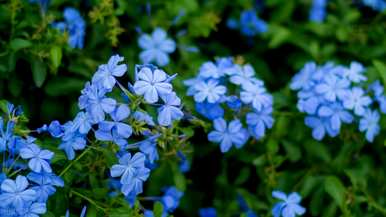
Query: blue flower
72	141
170	111
82	123
115	130
45	183
318	10
210	110
250	24
233	102
5	134
151	84
289	207
256	95
259	121
370	124
302	80
234	133
337	115
16	192
39	159
354	73
320	126
105	76
95	102
357	101
210	70
171	198
210	91
156	47
55	129
207	212
149	148
128	167
74	25
143	116
243	76
32	210
333	87
184	164
135	186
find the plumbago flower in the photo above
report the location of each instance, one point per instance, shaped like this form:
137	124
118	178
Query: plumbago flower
332	95
74	25
248	103
170	201
289	207
113	115
318	11
156	47
27	179
249	24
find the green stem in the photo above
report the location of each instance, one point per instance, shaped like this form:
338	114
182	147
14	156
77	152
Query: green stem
88	199
74	161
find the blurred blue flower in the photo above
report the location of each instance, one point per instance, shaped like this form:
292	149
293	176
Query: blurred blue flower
333	87
74	25
289	207
32	210
258	122
6	133
149	148
115	130
82	123
94	101
132	171
354	73
171	198
72	141
318	10
170	110
337	115
256	95
210	110
226	135
55	129
156	47
143	116
210	91
151	84
105	76
16	192
250	24
320	126
357	100
38	159
207	212
370	124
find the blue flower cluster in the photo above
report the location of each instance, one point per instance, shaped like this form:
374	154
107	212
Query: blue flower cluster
318	10
156	47
115	120
170	201
74	25
249	24
332	95
27	194
289	207
224	89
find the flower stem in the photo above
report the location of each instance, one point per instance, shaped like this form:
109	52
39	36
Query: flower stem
88	199
74	161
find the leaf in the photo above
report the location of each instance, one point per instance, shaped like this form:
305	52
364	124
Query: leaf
56	56
39	72
381	68
335	189
158	209
18	43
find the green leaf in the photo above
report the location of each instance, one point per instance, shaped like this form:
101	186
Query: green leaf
18	43
158	209
56	56
39	72
335	189
381	69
